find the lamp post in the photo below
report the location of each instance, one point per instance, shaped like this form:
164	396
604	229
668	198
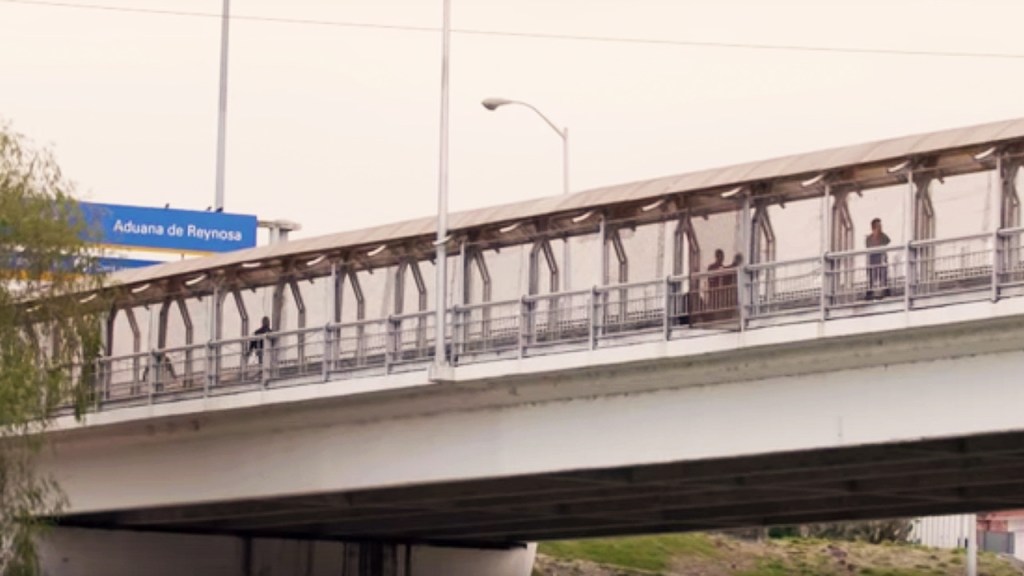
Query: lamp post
222	107
440	356
563	133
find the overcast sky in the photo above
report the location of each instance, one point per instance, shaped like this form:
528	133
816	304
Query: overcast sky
337	127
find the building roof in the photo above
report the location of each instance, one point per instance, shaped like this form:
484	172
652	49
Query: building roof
889	150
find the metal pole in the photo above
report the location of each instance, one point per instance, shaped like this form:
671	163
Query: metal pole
996	256
826	246
909	235
743	296
972	545
565	160
567	273
222	111
440	358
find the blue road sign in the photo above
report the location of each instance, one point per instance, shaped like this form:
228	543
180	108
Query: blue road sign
112	264
169	229
104	264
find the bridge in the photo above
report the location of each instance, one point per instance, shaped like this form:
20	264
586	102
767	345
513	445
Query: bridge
605	371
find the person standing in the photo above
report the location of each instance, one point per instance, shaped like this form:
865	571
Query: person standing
716	279
878	261
256	344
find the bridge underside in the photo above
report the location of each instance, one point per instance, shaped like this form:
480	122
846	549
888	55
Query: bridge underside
977	473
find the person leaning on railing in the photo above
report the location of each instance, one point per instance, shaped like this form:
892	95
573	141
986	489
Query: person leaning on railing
878	261
256	344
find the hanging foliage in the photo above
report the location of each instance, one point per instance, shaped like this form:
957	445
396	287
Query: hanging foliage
49	335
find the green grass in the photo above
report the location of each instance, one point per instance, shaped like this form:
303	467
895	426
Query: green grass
718	555
653	553
772	568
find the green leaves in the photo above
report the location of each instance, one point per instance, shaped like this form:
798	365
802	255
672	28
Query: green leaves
49	337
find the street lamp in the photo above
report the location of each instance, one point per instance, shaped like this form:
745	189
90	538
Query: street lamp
441	362
495	103
222	106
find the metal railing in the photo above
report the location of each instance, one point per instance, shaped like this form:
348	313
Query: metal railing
412	338
1010	257
359	346
557	319
784	287
490	328
173	370
120	378
295	354
918	274
633	308
858	276
952	265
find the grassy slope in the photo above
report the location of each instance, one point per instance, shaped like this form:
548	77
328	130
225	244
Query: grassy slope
714	555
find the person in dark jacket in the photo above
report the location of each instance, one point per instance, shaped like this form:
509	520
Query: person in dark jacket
256	344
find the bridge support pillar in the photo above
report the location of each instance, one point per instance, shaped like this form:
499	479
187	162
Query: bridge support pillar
86	552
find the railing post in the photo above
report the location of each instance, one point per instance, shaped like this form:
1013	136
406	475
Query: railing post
592	320
909	259
212	362
390	340
524	320
449	324
744	294
325	359
826	279
100	386
458	333
996	263
269	360
152	378
908	251
743	297
667	308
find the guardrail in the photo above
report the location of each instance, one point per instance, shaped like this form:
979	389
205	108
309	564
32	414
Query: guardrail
918	274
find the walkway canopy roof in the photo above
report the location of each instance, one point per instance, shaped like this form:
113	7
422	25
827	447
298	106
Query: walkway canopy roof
699	192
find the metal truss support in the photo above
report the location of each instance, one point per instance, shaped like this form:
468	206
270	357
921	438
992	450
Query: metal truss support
615	242
477	260
357	292
763	249
243	313
920	261
108	332
543	247
1007	261
337	290
838	274
300	311
841	235
186	319
686	248
1009	208
924	210
277	306
748	234
162	322
400	270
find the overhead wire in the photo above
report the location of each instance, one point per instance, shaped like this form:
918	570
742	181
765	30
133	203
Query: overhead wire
530	35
